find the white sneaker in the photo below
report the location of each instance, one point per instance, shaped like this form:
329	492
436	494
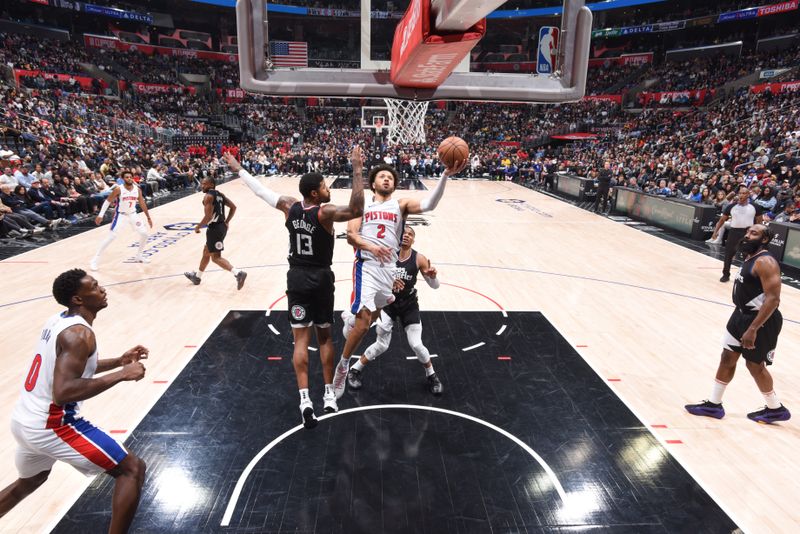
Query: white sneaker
307	413
329	404
340	378
93	264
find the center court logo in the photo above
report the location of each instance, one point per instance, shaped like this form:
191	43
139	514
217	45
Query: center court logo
522	205
161	240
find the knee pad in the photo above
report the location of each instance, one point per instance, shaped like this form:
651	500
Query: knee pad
414	336
380	346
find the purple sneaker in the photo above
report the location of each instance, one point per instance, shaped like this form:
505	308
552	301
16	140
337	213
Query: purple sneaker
707	408
770	415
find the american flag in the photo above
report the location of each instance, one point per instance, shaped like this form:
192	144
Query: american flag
289	53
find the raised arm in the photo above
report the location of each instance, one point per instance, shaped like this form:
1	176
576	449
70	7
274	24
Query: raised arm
73	348
414	206
330	213
269	196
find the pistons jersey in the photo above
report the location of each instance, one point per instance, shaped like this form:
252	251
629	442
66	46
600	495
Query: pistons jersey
382	225
35	408
126	203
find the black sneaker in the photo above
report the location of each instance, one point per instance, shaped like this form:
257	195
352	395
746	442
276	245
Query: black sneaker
240	279
770	415
193	277
435	385
309	418
354	379
725	278
706	408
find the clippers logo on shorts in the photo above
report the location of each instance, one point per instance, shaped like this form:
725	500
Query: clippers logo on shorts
548	50
298	313
218	245
771	356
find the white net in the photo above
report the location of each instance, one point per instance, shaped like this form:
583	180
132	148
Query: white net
406	121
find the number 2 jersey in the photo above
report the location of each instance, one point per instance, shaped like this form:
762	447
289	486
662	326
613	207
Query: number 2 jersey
382	225
35	408
310	244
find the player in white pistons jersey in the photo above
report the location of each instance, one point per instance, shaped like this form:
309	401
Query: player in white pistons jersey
127	195
46	423
376	238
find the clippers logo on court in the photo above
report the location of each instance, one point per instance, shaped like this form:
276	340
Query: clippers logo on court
522	205
548	50
162	240
298	313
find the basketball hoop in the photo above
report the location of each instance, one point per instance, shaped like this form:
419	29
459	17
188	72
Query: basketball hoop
406	121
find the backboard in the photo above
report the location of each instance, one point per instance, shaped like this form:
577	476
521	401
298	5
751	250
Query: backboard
345	53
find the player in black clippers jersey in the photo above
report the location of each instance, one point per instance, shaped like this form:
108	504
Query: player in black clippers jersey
752	330
405	308
214	204
310	279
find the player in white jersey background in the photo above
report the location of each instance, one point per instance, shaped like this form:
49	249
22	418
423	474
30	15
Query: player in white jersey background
376	238
127	196
46	420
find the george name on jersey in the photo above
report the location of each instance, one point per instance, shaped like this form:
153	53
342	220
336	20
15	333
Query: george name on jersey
380	216
300	224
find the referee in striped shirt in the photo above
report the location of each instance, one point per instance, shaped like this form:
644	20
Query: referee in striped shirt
742	215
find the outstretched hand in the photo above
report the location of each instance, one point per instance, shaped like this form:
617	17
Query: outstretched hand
135	354
232	162
458	166
357	158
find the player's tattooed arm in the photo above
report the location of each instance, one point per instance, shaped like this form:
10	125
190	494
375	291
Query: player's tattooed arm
355	208
269	196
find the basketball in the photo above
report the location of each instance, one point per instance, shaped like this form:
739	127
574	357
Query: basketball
453	149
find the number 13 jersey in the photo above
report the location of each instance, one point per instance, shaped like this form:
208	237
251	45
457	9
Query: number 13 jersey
310	244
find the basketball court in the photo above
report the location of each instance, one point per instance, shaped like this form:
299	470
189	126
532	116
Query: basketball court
567	344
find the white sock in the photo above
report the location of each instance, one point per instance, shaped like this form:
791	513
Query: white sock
772	400
304	398
328	390
235	271
358	365
429	371
345	360
717	391
199	274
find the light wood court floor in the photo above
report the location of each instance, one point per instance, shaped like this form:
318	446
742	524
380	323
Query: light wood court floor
640	309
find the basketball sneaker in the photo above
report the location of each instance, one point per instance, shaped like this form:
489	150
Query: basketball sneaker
307	411
191	275
329	403
354	379
240	279
340	378
707	408
770	415
435	385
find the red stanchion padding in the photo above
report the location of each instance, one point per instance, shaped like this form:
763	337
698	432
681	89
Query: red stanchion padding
423	58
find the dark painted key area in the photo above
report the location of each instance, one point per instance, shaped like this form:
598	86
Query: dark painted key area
403	469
